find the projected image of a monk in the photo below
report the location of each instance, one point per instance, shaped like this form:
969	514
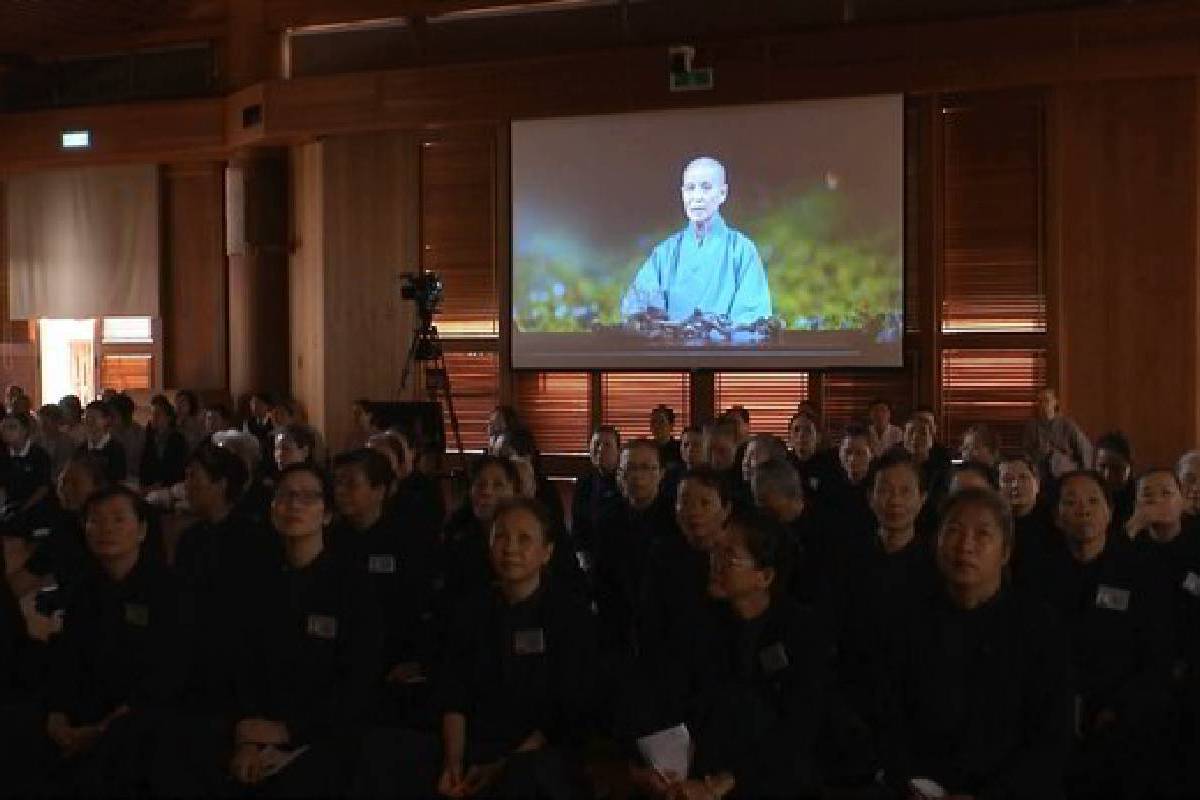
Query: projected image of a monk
707	267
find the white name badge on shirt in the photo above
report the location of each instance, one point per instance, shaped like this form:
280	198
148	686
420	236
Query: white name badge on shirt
40	533
529	642
585	561
1112	598
774	658
137	615
1191	584
321	626
381	564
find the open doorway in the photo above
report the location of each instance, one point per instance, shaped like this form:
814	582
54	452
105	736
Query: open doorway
68	358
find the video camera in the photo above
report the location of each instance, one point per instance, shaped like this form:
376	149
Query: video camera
425	290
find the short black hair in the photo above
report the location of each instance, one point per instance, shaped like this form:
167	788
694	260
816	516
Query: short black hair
510	416
160	401
665	410
220	464
855	431
893	458
879	400
190	396
711	478
520	441
124	406
221	410
738	411
985	435
987	499
397	448
287	404
94	465
724	426
374	465
774	445
643	444
1014	456
1086	474
976	468
301	436
311	469
694	428
487	460
805	416
766	541
102	495
101	407
21	419
1116	442
1161	471
607	430
52	412
532	506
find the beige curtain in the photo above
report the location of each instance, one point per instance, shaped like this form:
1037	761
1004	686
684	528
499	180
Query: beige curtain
83	243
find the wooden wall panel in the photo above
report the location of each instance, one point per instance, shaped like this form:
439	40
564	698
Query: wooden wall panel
194	288
353	237
368	182
185	129
18	352
1125	244
306	282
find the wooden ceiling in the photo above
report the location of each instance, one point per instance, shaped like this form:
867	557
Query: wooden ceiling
47	28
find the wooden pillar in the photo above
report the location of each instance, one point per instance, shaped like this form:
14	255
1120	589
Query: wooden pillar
257	197
195	297
353	235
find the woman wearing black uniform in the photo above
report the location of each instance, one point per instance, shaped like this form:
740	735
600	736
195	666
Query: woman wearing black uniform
758	677
1172	543
1114	606
25	475
492	480
975	683
19	713
60	553
119	662
165	450
413	495
217	561
309	654
404	565
515	687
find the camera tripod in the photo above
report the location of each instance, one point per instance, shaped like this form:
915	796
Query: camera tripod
426	350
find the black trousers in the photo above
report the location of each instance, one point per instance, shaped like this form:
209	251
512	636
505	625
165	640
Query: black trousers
193	755
114	766
398	763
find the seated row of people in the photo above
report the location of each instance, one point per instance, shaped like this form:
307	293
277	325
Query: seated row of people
829	639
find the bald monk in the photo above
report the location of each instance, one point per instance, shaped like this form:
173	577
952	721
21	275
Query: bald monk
706	267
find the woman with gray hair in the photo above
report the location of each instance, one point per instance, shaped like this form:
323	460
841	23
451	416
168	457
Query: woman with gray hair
975	675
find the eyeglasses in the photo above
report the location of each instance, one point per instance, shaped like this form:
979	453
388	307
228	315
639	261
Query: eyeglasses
308	497
728	558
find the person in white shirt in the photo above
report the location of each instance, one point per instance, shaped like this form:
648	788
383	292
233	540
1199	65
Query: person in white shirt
882	433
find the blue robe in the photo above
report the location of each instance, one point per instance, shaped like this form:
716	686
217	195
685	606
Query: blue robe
720	275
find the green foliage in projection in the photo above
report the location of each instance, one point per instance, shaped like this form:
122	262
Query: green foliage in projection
825	271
